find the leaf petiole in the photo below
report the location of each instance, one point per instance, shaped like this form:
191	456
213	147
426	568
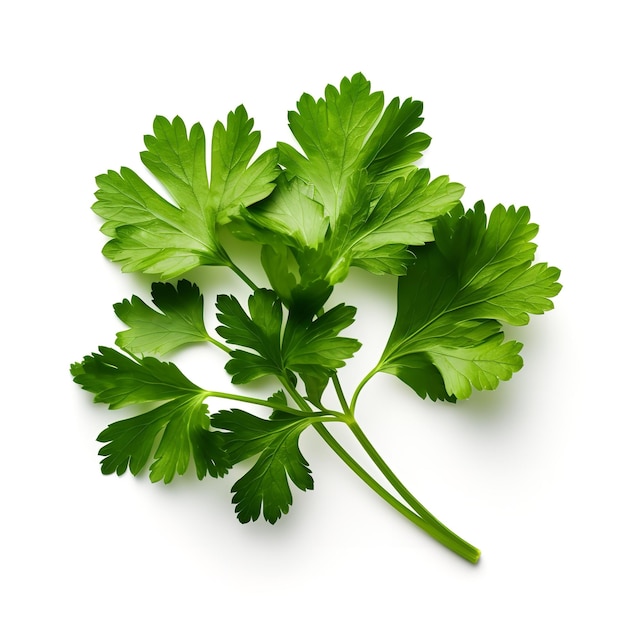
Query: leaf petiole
360	386
340	394
268	403
239	272
219	344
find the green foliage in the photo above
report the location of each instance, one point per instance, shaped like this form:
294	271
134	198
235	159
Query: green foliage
354	198
119	380
307	346
348	194
179	420
456	296
153	235
179	322
274	442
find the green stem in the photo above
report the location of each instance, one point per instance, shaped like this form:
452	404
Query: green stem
243	276
426	522
267	403
420	516
340	394
442	535
359	388
293	392
410	499
219	344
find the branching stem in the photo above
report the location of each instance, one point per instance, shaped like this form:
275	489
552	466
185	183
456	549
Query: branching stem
464	548
420	516
438	532
417	514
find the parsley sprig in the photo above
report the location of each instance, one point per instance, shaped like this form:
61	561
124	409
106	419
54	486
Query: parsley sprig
348	195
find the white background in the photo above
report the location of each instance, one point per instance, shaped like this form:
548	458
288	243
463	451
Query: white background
525	104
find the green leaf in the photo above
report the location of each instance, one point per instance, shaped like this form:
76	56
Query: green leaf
332	132
316	342
493	263
393	144
418	372
150	234
183	427
153	235
276	261
117	380
388	259
259	331
178	162
406	211
265	487
179	424
353	198
313	348
235	181
290	215
180	320
457	293
481	366
344	133
377	236
309	345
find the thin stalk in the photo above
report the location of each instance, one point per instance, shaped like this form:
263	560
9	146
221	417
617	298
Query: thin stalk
444	537
427	523
267	403
219	344
340	394
359	388
410	499
293	392
246	279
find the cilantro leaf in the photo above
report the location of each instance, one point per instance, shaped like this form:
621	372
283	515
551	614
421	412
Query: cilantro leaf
276	260
347	194
308	346
316	342
291	216
353	198
183	427
118	380
180	420
151	234
235	181
265	486
178	162
477	275
406	210
344	133
393	143
331	132
314	349
377	234
180	320
260	331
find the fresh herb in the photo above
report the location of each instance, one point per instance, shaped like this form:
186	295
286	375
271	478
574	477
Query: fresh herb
349	196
